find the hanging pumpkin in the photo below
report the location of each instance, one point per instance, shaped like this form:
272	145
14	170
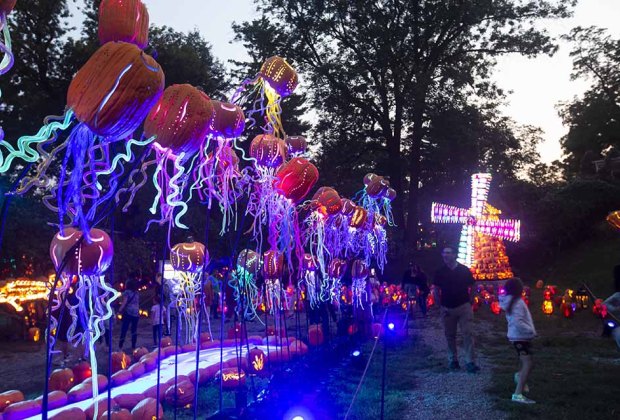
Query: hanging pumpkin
613	219
227	159
10	397
296	146
358	218
115	89
269	151
273	264
280	75
309	263
328	201
148	408
189	256
183	393
81	372
89	258
7	6
296	178
256	361
348	207
359	270
180	119
390	194
376	186
231	377
61	380
315	335
124	20
249	261
336	268
228	120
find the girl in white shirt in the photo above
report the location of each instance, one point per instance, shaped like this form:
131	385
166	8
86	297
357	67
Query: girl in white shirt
521	331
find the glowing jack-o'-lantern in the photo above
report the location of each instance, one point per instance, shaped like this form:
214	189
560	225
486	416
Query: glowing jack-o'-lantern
547	307
328	201
295	145
336	268
180	119
359	270
256	361
182	394
231	377
120	361
358	218
88	258
348	207
148	408
124	20
280	75
228	120
269	151
111	105
61	380
273	264
296	178
189	256
613	219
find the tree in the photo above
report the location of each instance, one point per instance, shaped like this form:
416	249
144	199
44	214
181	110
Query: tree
380	65
594	119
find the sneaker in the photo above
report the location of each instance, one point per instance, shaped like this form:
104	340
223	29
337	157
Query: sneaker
454	366
520	398
472	368
526	388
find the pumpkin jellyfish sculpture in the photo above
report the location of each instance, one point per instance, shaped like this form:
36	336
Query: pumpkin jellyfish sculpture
188	259
309	268
107	100
273	267
6	6
276	79
330	288
359	273
124	20
80	262
327	205
244	284
377	196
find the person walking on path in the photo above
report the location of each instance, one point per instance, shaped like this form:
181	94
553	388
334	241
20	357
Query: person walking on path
130	310
521	331
453	282
415	284
157	319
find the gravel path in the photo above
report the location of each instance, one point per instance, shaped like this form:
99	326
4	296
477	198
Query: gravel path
442	394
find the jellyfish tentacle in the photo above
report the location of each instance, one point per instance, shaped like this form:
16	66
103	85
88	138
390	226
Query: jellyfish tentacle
5	47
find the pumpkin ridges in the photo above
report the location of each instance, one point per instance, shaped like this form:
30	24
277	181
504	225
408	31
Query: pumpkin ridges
296	178
268	150
126	21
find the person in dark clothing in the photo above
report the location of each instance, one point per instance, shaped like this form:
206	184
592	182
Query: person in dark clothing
454	282
415	284
130	310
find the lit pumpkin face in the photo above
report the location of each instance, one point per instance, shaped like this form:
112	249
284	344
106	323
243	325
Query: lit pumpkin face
380	220
547	307
113	92
359	270
613	219
88	258
296	178
228	120
328	201
182	394
249	261
309	263
269	151
256	361
280	75
296	145
6	6
358	218
124	20
348	207
337	268
180	119
232	377
273	264
189	257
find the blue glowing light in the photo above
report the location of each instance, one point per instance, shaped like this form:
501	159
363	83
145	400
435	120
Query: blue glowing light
356	353
611	324
391	326
297	418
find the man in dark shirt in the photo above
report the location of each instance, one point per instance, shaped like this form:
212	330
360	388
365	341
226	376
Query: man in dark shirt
454	281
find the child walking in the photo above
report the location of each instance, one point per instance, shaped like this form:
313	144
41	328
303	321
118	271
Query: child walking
157	319
521	331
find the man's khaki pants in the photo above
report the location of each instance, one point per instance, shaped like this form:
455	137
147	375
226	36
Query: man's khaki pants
463	316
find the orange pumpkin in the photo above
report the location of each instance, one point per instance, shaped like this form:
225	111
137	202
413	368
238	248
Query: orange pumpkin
256	361
189	256
115	89
273	264
231	377
55	399
61	380
128	401
183	394
348	207
166	342
228	120
295	145
315	335
124	20
180	119
613	219
21	410
120	361
102	406
358	218
148	408
10	397
137	369
296	178
376	186
117	414
149	361
74	413
359	269
121	377
298	347
336	268
138	353
250	262
268	150
7	6
328	201
89	258
280	75
102	382
82	371
80	392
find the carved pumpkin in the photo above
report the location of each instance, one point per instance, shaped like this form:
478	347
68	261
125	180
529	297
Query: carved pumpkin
74	413
280	75
228	120
336	268
7	6
10	397
124	20
231	377
89	258
55	399
359	270
138	353
315	335
376	186
189	256
328	201
184	394
296	145
613	219
227	159
249	261
547	307
269	151
148	408
21	410
180	119
81	372
348	207
358	218
237	332
256	361
273	264
61	380
296	178
115	89
120	361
